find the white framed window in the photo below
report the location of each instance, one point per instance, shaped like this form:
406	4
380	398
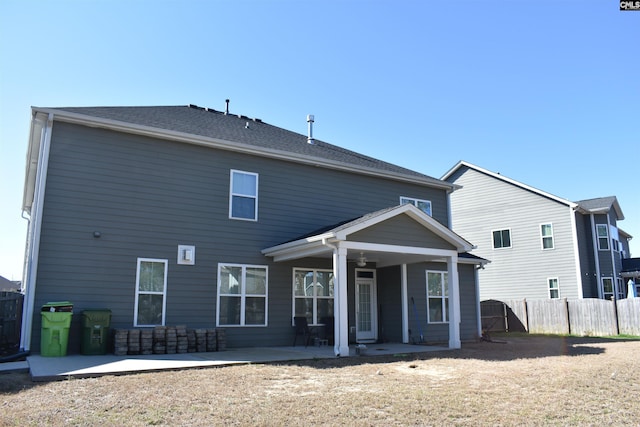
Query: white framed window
242	295
546	234
243	195
603	236
151	292
501	238
621	288
437	297
607	288
423	205
554	288
313	294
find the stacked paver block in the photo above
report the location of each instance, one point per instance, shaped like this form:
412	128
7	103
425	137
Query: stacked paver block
222	339
172	340
168	340
212	341
120	342
134	342
160	340
191	341
146	341
183	344
201	340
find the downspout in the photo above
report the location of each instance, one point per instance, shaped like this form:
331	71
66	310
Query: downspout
616	288
596	258
33	233
478	306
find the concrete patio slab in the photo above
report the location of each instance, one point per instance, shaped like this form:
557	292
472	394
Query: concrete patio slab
82	366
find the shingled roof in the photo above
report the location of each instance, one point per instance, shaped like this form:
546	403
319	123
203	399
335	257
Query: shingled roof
601	205
238	130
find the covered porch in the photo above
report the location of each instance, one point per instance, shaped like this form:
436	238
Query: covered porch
399	236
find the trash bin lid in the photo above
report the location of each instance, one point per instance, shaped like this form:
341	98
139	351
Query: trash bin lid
64	306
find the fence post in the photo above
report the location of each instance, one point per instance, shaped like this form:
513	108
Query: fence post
567	315
615	314
526	314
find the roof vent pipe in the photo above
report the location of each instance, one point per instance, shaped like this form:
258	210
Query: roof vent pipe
310	120
226	109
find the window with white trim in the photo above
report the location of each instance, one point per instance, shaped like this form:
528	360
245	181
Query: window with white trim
243	195
607	288
151	292
437	297
423	205
546	233
242	295
621	288
501	238
603	236
313	294
554	288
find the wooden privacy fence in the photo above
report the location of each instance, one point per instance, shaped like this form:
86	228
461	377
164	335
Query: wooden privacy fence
586	317
10	322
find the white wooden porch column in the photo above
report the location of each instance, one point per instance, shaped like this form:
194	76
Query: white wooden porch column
454	302
404	297
341	311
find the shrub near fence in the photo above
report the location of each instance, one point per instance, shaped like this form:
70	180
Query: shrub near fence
586	317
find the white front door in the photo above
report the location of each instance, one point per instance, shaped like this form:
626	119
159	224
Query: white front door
366	313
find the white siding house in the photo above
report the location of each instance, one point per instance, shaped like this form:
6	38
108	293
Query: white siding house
540	246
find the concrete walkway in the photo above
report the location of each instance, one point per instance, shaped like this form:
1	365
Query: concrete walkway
81	366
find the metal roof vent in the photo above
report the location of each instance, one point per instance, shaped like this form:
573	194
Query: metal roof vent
310	120
226	109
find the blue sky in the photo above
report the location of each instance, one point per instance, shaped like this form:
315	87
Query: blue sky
545	92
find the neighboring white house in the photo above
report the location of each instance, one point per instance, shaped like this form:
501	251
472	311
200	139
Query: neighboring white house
539	245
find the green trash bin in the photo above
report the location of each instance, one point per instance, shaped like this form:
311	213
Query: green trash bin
95	331
56	320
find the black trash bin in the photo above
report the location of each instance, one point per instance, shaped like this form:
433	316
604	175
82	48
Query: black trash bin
95	331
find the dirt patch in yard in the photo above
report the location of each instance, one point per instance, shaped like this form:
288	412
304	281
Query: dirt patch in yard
530	380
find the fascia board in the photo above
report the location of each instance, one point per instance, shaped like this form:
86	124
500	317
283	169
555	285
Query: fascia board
508	180
91	121
296	246
38	123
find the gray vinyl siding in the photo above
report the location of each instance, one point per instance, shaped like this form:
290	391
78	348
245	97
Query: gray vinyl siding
390	304
401	230
146	196
485	204
417	289
587	264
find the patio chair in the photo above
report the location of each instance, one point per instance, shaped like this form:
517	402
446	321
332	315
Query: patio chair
329	325
302	328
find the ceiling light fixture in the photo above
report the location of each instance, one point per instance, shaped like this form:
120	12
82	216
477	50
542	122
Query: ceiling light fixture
362	261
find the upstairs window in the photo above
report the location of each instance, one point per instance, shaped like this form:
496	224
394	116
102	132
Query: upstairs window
423	205
603	237
243	196
501	238
554	289
546	232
